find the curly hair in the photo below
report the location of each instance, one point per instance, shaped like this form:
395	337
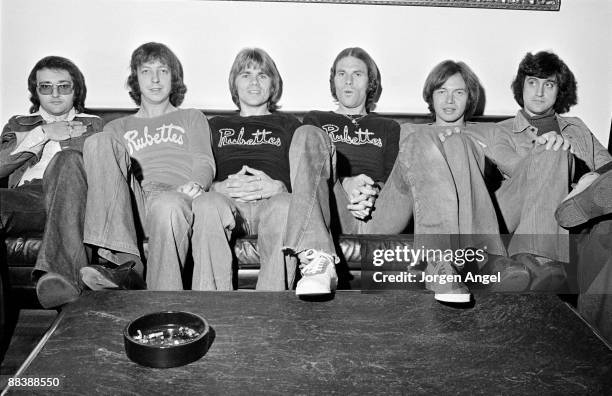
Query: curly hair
256	58
442	72
157	52
546	64
374	81
58	63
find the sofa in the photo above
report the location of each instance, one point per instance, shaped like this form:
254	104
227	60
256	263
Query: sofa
19	251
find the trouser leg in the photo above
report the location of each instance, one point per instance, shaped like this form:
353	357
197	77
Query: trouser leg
214	221
168	226
528	201
435	205
393	209
450	197
594	254
311	161
478	225
348	223
62	249
270	226
115	201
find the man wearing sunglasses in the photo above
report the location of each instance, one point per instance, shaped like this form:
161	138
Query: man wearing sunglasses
41	164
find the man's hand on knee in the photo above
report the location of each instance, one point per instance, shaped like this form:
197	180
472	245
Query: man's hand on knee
192	189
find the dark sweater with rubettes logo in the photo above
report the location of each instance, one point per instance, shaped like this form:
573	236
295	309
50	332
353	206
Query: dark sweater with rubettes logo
367	146
261	142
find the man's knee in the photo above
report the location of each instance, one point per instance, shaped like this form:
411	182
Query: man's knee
99	144
210	203
65	159
65	176
212	208
311	136
423	145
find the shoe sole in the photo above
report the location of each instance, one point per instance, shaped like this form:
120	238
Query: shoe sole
594	201
453	297
48	296
323	293
318	293
96	281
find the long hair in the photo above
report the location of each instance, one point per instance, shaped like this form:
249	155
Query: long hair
256	58
442	72
546	64
374	80
58	63
157	52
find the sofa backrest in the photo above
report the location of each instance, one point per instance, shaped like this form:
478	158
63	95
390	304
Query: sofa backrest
109	114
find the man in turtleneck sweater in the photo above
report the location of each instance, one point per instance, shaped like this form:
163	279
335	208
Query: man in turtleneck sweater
40	155
537	152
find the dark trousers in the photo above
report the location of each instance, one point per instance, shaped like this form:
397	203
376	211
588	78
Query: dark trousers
55	205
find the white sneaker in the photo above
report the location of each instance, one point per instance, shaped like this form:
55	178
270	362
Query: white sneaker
318	275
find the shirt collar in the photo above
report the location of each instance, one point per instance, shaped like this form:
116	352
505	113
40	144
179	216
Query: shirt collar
51	118
565	122
521	123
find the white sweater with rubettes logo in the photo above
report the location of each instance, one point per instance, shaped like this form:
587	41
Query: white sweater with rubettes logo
172	149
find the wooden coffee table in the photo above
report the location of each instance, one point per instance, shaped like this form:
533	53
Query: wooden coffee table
394	342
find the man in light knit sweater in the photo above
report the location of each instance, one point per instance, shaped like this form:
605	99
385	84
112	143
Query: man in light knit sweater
146	173
538	153
40	154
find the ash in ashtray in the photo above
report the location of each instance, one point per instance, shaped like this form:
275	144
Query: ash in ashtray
166	337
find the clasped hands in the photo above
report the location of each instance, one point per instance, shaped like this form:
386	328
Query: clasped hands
249	184
63	130
362	192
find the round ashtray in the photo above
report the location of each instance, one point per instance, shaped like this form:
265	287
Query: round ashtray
166	339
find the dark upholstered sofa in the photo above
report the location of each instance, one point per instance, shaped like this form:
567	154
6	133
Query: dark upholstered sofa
19	251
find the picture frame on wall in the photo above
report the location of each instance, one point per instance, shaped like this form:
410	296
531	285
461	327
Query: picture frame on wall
534	5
